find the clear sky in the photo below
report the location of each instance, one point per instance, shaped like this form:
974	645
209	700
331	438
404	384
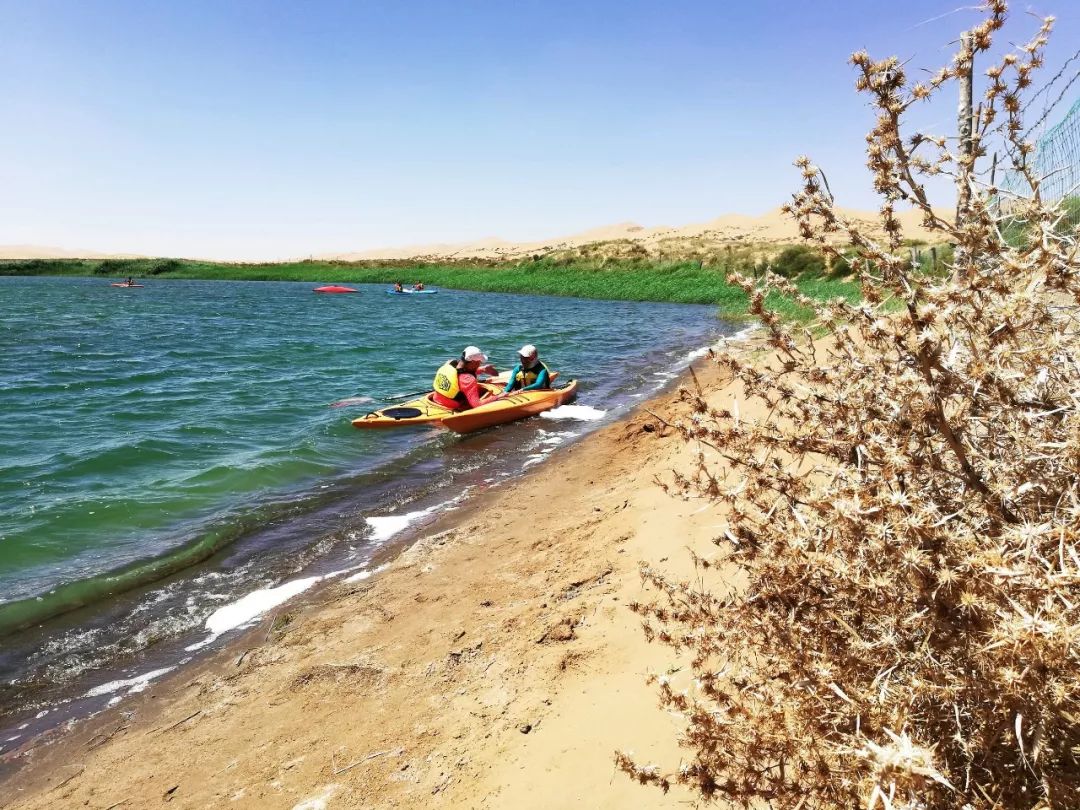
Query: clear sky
277	129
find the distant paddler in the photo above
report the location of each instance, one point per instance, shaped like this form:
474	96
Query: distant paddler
455	384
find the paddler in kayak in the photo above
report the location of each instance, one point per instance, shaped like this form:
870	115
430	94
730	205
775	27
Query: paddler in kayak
455	383
530	373
398	287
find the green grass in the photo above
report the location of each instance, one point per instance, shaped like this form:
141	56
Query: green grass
684	282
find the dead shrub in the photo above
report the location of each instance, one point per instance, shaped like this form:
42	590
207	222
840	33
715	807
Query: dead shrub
907	514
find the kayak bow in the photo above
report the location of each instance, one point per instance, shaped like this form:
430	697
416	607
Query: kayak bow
510	408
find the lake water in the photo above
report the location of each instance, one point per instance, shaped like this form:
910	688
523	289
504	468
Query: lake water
166	451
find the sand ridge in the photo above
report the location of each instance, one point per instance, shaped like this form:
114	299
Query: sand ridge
773	228
18	252
770	229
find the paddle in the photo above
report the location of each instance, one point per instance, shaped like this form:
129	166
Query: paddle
366	400
344	403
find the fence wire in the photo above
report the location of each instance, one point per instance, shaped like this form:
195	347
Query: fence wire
1055	159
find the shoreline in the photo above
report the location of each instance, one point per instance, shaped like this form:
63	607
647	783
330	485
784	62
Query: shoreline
310	505
305	647
42	707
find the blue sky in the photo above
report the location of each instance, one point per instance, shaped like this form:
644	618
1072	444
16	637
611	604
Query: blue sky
268	130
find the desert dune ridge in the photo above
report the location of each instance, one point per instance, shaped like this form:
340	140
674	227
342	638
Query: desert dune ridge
772	229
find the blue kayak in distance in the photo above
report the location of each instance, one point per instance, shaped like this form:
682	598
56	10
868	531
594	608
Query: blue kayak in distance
411	292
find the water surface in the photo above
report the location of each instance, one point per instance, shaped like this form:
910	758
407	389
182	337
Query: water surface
165	450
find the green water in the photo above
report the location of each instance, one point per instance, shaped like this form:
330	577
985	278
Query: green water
144	429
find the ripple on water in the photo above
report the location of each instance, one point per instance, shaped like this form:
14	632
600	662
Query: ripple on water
132	424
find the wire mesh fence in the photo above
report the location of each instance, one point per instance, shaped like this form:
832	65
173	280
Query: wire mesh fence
1056	161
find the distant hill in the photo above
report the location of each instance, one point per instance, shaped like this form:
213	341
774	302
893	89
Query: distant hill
773	228
43	252
623	239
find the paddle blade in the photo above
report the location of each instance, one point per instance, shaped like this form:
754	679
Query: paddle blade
343	403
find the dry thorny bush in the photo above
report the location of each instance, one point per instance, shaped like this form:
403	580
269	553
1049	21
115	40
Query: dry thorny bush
907	510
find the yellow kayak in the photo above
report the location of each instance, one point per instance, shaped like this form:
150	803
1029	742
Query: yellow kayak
425	411
510	408
420	411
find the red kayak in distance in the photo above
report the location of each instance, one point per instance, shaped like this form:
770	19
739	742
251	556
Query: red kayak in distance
122	284
334	288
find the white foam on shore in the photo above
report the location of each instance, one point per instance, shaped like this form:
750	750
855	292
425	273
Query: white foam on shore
365	574
742	334
583	413
247	609
383	528
555	438
250	607
386	526
132	685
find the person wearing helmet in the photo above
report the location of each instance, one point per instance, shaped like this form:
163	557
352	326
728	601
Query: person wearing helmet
530	373
455	382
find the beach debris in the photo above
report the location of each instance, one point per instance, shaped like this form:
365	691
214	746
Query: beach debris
455	657
525	728
374	754
68	779
575	588
278	625
561	631
101	739
442	784
363	673
572	660
167	796
191	716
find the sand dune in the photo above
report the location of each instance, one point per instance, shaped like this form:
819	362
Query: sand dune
771	228
45	252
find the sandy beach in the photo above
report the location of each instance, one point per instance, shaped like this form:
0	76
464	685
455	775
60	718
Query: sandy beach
494	663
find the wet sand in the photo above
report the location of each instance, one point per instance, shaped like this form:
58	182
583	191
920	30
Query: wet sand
493	664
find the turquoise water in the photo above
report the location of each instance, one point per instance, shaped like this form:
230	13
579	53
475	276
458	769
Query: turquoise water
183	429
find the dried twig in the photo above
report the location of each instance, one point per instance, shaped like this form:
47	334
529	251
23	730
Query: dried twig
361	761
191	716
77	773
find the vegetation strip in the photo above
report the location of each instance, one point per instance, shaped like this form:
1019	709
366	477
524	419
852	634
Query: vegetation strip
681	282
